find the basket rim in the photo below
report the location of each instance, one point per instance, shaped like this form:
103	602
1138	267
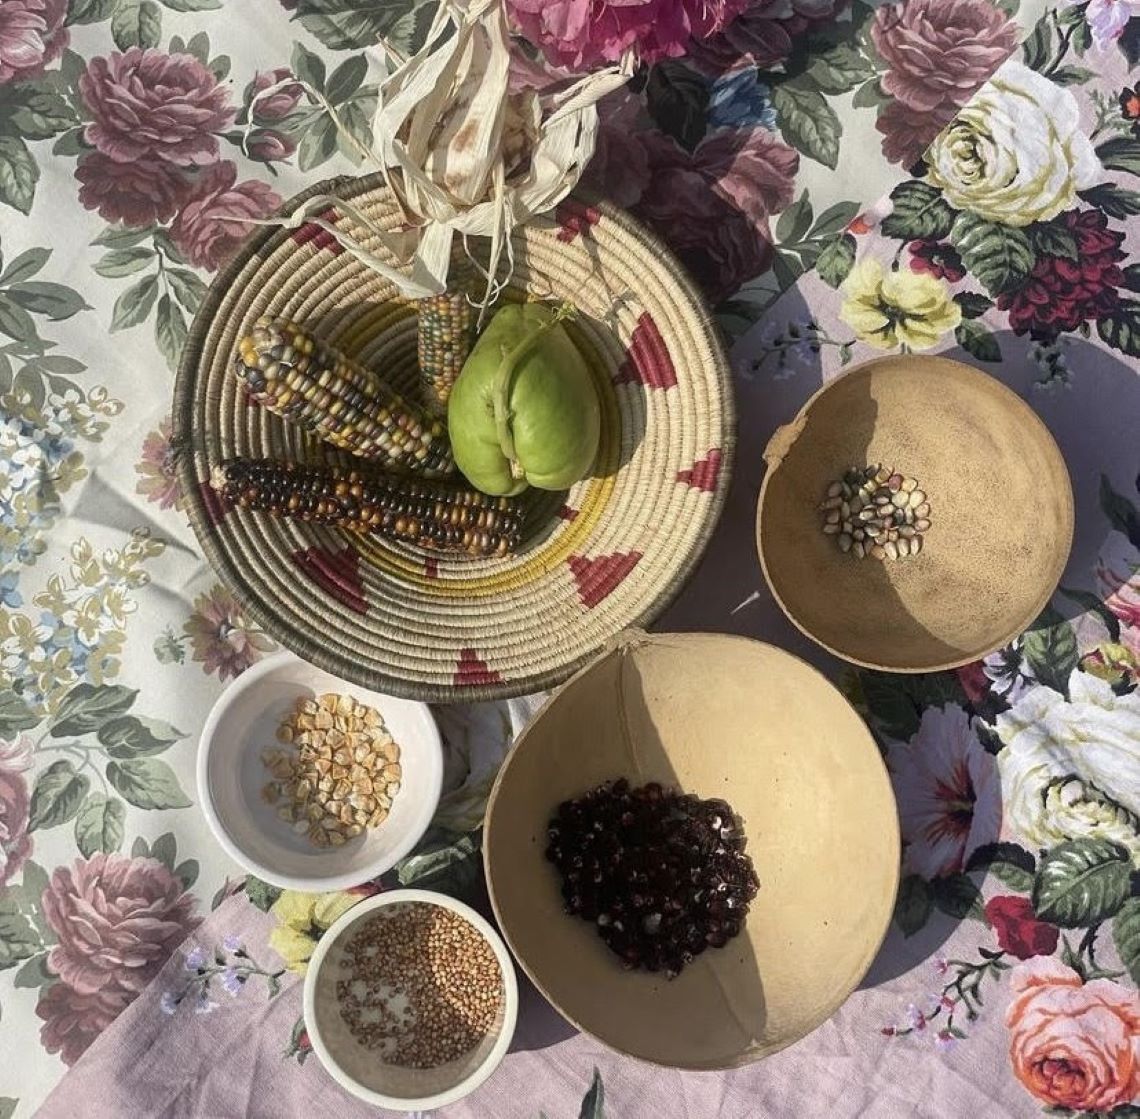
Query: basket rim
185	443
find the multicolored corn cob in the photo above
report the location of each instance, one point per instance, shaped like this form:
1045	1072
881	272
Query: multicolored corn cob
444	336
435	515
300	378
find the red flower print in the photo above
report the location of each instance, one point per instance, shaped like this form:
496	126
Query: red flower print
1130	103
938	260
147	103
975	683
1018	930
1061	293
208	228
31	36
138	193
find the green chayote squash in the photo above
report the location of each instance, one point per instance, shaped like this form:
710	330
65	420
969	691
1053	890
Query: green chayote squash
524	409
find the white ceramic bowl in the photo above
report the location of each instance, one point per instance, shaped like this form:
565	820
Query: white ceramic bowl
359	1070
231	775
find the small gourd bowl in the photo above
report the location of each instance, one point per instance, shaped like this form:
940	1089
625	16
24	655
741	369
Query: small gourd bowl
714	716
1001	510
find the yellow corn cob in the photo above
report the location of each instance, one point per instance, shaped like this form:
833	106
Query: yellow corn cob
435	515
301	379
445	333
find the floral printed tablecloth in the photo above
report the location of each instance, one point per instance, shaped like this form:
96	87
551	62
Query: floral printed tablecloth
785	156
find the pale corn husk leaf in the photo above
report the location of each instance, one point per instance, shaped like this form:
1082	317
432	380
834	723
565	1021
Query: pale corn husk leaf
461	153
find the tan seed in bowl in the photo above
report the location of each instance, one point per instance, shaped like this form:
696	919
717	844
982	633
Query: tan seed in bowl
341	752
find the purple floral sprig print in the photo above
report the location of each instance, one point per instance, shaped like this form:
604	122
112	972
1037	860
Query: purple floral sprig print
795	346
230	965
960	995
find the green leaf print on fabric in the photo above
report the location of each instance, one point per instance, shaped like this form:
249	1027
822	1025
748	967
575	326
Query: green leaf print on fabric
593	1105
352	24
1121	328
147	783
192	5
170	331
1126	937
15	714
19	174
1081	881
88	706
998	256
840	69
99	825
807	121
134	305
958	896
33	973
1121	513
58	793
920	213
896	703
262	894
1007	862
129	736
835	262
914	904
35	110
90	11
978	340
1116	201
136	23
18	938
1120	153
445	861
1050	648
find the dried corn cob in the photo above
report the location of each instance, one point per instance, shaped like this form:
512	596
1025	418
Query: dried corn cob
436	515
302	379
445	333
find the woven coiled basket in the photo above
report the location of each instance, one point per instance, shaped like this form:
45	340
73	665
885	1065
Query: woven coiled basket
610	553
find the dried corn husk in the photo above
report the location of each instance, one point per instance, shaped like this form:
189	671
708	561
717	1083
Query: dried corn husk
461	153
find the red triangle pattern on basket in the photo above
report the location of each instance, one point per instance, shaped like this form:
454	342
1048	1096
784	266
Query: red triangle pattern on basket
574	218
310	234
336	572
703	474
647	360
600	576
470	671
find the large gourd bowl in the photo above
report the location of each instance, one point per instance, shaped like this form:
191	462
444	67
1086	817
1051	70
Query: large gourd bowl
1001	510
723	717
610	552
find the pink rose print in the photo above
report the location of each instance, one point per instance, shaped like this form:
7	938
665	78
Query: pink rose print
207	228
1118	583
137	193
147	103
1073	1044
117	920
72	1021
938	53
583	34
32	35
948	792
15	842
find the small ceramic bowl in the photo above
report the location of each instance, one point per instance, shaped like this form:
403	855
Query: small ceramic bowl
231	774
359	1070
1001	512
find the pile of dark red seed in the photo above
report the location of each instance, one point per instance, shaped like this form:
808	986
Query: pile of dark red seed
662	875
